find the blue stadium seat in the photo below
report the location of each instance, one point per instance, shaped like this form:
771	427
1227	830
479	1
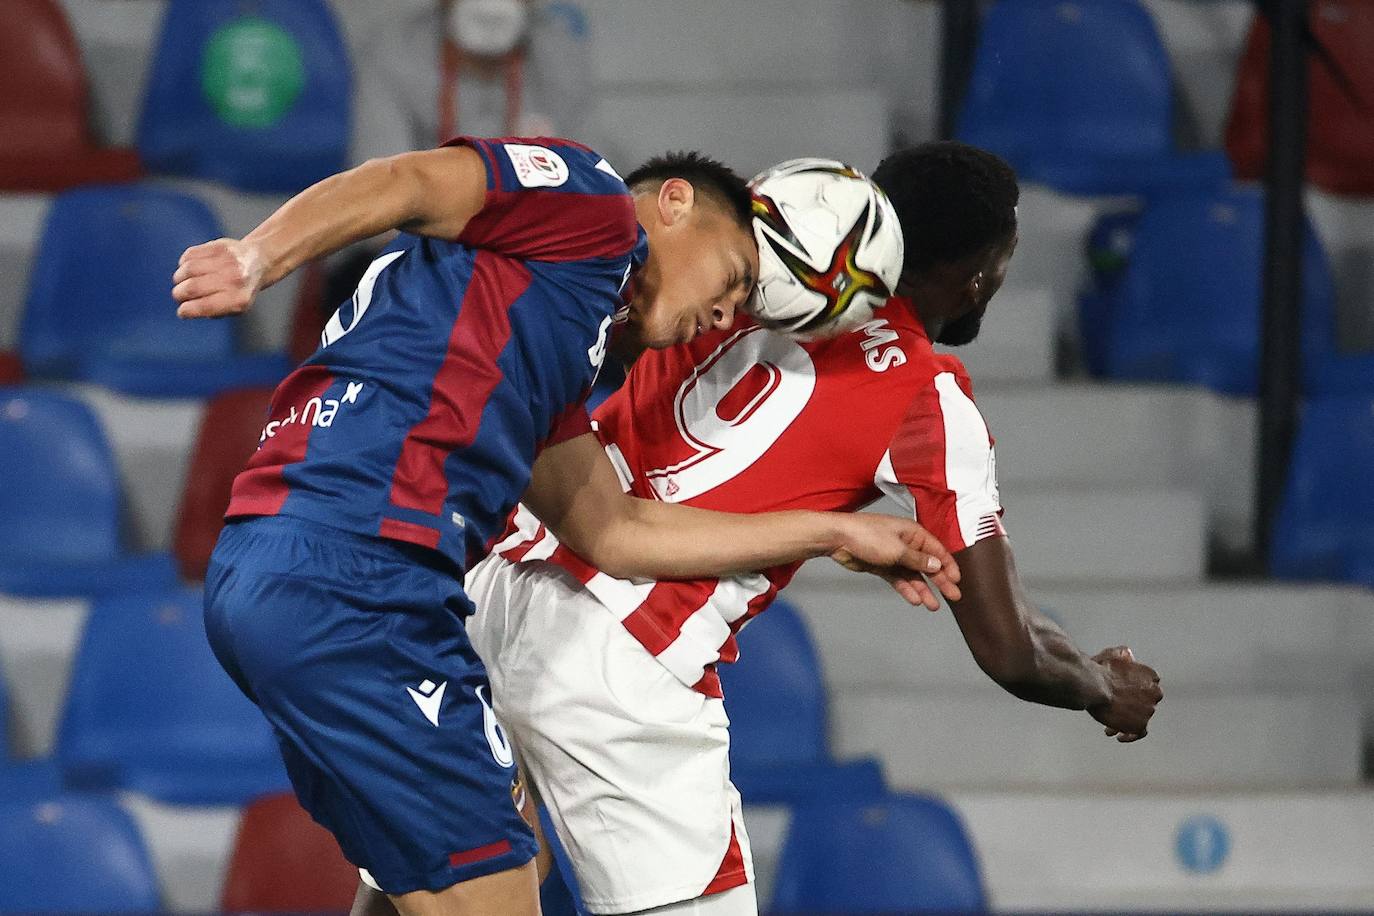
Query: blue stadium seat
1325	525
902	854
100	306
149	709
775	696
1186	306
73	855
30	780
1078	95
255	95
60	503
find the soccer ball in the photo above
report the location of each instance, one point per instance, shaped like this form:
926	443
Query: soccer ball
830	248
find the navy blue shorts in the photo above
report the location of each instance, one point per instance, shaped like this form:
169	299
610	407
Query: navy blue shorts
355	650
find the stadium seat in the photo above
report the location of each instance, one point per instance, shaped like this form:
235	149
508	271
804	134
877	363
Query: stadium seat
29	780
1325	524
73	855
45	137
775	696
1185	308
1340	129
229	433
284	862
902	854
150	710
11	369
100	309
1079	96
253	95
60	532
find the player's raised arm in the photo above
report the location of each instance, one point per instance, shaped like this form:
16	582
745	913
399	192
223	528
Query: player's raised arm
574	490
433	192
1031	657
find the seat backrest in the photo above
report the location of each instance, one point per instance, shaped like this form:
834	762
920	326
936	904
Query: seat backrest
1329	480
906	854
254	93
146	686
1340	126
43	104
285	862
229	433
1078	78
775	694
73	854
60	499
1196	269
101	281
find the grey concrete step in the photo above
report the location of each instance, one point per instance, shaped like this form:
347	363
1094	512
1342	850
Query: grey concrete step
1016	344
1206	739
1260	636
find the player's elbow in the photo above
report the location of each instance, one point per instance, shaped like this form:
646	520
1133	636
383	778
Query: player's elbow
1010	661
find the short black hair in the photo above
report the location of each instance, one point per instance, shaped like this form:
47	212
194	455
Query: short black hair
709	176
953	201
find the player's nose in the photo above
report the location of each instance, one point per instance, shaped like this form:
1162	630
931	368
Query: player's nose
723	315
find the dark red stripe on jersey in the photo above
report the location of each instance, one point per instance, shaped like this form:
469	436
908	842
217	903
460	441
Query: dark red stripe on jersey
517	553
480	854
464	382
709	685
260	489
570	424
408	531
554	225
731	873
658	621
565	559
918	452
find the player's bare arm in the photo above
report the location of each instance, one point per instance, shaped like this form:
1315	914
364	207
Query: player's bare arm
432	193
1031	657
574	490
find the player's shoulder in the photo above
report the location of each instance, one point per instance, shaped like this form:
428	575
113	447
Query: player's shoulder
547	163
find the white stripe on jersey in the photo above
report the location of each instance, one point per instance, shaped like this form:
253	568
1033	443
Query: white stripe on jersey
970	469
702	635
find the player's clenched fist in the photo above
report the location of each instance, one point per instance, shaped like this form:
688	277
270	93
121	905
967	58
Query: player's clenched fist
901	552
217	279
1135	694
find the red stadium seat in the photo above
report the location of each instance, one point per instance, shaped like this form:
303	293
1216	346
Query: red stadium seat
45	140
11	369
284	862
228	436
1340	123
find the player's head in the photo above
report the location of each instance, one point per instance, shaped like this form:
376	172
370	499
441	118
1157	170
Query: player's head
957	207
702	255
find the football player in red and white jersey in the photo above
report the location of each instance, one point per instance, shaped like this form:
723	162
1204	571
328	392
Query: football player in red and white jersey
608	686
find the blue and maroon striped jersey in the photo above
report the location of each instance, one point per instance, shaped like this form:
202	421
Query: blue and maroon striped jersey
455	362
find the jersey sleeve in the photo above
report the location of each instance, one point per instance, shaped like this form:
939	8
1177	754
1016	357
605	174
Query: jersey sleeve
572	423
941	466
550	200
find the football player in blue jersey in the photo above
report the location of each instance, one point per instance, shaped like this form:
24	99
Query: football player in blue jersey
450	386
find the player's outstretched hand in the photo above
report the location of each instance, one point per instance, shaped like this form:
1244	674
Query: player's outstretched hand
901	552
1135	694
217	279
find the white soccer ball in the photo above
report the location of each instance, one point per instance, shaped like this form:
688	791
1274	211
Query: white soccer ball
830	248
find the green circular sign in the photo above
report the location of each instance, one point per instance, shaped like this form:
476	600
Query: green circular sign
252	73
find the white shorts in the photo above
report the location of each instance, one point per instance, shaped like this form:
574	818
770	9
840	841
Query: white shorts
632	765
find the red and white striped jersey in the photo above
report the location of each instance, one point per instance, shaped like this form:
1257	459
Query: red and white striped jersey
747	420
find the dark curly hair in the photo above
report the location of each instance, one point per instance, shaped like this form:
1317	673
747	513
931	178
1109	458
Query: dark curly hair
953	201
708	176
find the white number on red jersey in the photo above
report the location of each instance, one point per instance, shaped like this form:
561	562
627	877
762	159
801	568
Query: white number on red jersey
732	409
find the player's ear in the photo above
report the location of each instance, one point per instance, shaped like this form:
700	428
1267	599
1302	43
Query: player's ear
676	198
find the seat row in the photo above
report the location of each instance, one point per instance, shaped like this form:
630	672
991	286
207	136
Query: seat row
256	97
1079	96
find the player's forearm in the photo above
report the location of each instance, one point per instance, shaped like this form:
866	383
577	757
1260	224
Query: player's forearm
1059	673
375	197
662	541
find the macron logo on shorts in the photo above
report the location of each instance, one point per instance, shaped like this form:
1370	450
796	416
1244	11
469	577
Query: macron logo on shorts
428	698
